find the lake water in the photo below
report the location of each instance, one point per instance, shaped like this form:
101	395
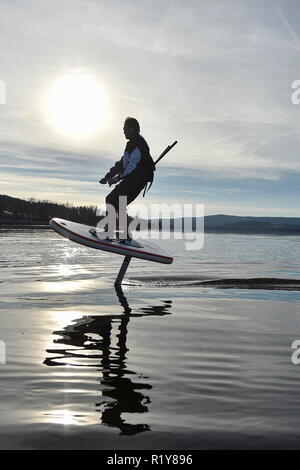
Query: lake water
166	363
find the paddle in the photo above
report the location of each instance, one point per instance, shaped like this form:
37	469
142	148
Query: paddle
165	151
156	162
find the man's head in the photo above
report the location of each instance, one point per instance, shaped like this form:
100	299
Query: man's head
131	128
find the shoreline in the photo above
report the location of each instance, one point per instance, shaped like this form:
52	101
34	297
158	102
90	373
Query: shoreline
22	226
44	226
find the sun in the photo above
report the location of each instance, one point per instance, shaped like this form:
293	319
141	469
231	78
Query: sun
77	105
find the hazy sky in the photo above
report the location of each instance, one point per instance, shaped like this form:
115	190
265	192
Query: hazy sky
214	75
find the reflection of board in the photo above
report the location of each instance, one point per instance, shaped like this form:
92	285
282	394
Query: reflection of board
80	233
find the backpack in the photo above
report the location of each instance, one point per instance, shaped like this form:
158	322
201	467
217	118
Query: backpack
146	167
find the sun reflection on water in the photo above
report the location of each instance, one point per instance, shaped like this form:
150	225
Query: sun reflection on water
65	417
65	270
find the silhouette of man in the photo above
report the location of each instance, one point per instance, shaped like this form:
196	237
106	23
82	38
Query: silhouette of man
132	172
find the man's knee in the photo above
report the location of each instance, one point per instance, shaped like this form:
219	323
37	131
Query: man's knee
108	199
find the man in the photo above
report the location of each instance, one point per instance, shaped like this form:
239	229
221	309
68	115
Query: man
132	172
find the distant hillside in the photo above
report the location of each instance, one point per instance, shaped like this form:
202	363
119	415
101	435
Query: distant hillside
15	211
259	225
256	226
241	224
222	220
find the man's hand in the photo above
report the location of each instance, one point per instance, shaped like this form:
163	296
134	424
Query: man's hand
113	180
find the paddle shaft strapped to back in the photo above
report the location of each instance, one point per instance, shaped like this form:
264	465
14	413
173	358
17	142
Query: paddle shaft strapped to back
156	162
165	151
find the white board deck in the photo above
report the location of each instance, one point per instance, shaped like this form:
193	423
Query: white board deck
79	233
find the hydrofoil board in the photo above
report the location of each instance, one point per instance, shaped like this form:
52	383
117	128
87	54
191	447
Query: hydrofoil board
87	236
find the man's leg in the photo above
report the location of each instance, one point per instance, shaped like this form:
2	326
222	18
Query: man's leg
118	199
129	189
112	199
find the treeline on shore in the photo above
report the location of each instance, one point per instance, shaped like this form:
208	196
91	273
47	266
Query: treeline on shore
15	211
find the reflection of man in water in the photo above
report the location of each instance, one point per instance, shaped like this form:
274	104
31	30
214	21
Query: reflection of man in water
120	393
122	389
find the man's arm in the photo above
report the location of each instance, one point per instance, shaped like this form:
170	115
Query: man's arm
132	163
115	170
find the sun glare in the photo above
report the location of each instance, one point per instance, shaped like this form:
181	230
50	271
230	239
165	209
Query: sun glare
77	105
